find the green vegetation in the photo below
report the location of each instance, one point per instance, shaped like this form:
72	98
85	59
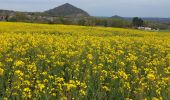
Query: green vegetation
137	22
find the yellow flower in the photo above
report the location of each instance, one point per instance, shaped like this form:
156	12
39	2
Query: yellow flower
9	59
59	80
45	81
26	82
167	70
90	56
151	77
122	64
69	86
44	73
53	94
1	71
83	93
5	99
104	73
32	67
42	57
19	63
1	64
27	90
41	87
27	93
123	75
64	98
19	73
154	98
105	88
119	52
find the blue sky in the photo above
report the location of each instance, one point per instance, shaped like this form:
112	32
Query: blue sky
126	8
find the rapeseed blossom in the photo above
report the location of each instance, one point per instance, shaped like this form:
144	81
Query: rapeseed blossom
19	63
1	71
56	62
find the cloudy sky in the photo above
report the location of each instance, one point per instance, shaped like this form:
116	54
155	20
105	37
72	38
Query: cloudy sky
126	8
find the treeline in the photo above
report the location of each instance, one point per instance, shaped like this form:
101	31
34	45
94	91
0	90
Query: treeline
86	21
93	21
112	22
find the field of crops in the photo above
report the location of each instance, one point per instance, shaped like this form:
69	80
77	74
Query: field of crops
58	62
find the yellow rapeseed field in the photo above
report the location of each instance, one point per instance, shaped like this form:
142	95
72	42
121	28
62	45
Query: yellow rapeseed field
59	62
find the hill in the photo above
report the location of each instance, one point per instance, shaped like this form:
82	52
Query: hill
67	10
118	17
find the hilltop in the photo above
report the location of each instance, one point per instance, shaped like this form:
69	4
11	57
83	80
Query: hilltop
67	10
117	16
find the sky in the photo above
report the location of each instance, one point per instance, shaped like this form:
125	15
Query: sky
124	8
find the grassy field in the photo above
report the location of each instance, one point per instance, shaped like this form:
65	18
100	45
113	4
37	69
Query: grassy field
59	62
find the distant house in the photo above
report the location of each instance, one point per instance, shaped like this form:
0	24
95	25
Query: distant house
141	28
50	18
148	28
29	16
144	28
2	18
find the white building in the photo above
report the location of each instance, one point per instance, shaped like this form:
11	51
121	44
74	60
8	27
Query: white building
144	28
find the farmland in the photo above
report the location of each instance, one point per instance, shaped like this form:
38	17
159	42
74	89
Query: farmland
49	62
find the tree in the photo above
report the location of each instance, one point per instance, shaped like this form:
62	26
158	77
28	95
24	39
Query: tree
137	22
82	22
6	18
